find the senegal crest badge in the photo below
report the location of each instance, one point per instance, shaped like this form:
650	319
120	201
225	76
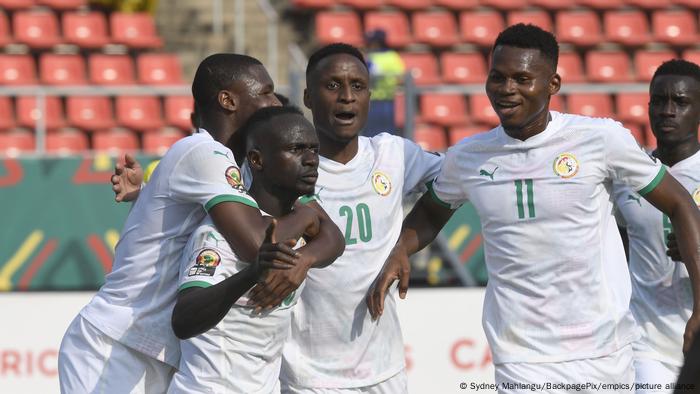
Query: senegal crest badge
566	165
381	183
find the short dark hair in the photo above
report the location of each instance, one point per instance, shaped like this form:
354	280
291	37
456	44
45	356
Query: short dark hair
678	67
333	49
251	128
217	72
530	37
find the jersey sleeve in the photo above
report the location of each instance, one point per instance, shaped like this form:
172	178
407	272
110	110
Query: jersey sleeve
627	163
420	166
206	260
208	175
619	194
448	189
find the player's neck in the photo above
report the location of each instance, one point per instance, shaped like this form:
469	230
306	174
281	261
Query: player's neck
220	129
272	200
338	151
672	154
538	125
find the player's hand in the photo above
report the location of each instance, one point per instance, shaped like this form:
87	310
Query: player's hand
276	255
275	285
692	330
672	244
127	178
396	267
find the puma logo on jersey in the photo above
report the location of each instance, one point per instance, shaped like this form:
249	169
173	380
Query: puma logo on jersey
488	174
635	198
317	195
225	154
210	235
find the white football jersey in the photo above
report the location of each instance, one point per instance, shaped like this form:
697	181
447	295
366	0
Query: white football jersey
243	352
662	297
135	303
547	217
334	343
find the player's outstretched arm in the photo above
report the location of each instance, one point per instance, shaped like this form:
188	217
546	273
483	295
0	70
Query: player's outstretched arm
127	178
672	199
198	309
420	227
326	244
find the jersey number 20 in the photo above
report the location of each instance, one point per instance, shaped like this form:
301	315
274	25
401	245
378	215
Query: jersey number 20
364	223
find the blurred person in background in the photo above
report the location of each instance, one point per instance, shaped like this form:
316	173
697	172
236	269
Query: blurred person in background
386	71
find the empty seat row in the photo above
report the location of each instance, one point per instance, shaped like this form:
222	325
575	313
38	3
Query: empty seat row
411	5
579	27
39	29
98	112
457	109
150	68
70	141
600	66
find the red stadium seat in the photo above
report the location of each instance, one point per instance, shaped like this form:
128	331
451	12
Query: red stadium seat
17	70
505	4
632	107
590	104
457	4
90	112
570	67
394	24
314	3
159	69
338	27
550	4
38	29
67	141
435	28
62	69
115	141
463	67
363	4
556	103
580	27
28	114
430	138
692	4
5	30
16	4
111	69
692	55
139	112
410	4
535	17
178	110
627	27
87	30
444	109
7	115
676	27
480	27
608	66
459	133
601	4
16	143
63	4
135	30
647	4
158	142
423	67
482	111
400	111
646	62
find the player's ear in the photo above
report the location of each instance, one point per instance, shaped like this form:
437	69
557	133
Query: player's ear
255	160
554	84
307	99
227	100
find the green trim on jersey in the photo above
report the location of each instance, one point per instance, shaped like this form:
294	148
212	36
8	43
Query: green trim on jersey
307	199
654	182
229	198
194	283
437	199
